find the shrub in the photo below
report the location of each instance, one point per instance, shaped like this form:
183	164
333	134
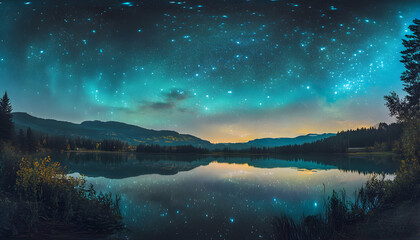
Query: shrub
407	181
8	167
45	194
8	214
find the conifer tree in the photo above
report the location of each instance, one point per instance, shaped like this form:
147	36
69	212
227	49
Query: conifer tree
408	107
6	123
30	141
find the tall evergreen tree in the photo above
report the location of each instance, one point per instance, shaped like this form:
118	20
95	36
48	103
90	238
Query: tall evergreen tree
407	110
6	122
408	107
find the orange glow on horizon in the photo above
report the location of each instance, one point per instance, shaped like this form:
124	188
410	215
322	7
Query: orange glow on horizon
240	134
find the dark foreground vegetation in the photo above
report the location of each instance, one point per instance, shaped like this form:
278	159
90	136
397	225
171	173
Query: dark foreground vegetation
378	194
37	196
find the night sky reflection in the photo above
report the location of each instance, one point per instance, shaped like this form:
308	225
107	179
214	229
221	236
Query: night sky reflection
221	200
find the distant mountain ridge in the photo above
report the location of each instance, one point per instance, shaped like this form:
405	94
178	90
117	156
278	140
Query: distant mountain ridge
98	130
278	142
134	135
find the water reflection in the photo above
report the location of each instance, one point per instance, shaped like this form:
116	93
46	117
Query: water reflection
211	197
123	165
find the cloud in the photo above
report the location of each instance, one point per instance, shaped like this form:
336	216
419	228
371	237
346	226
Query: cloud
176	95
161	105
172	100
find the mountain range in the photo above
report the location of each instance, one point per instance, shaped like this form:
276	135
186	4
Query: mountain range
277	142
134	135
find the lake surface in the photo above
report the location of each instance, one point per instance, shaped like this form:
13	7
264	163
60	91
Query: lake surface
196	197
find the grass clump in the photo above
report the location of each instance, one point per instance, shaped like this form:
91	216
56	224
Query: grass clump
339	212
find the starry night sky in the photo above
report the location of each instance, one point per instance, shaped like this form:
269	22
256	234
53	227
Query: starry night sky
223	70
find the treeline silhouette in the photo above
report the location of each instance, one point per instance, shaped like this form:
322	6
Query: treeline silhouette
155	148
30	141
69	144
383	138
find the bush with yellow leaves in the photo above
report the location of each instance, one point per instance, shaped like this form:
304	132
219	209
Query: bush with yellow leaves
45	195
38	179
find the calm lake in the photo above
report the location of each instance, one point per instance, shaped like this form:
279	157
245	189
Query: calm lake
208	197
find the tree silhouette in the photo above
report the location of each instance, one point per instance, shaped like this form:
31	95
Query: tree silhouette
408	107
30	140
6	123
21	139
407	110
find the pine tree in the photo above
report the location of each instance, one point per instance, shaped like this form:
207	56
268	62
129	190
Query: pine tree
408	107
30	141
407	110
6	122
